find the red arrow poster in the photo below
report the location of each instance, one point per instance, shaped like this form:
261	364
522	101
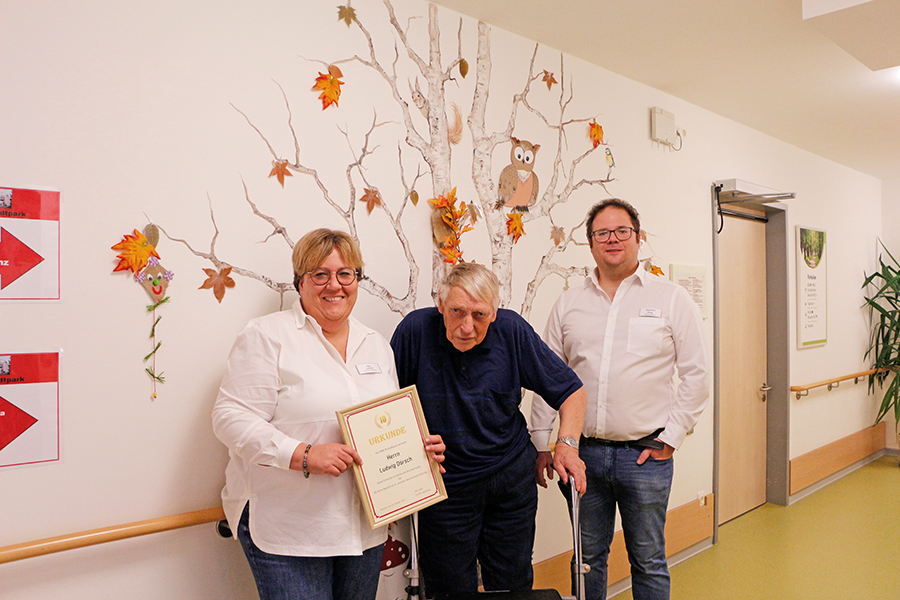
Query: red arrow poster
29	244
29	408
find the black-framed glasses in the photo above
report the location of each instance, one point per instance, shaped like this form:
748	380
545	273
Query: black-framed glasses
344	276
622	234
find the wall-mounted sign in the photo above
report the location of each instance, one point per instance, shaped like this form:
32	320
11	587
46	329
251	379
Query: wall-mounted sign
29	408
693	279
29	244
812	324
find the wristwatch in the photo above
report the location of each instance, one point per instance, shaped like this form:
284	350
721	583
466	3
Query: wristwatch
568	441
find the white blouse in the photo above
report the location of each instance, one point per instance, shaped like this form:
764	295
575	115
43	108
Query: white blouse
283	383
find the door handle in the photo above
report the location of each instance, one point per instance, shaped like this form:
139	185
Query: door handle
765	390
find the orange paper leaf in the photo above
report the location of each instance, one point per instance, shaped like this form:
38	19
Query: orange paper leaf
218	281
596	133
372	199
280	170
514	226
330	86
136	251
452	254
549	79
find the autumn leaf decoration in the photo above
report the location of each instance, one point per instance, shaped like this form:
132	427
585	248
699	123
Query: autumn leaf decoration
463	67
372	199
653	269
457	218
549	79
514	226
347	14
557	234
136	251
280	170
218	281
596	133
330	85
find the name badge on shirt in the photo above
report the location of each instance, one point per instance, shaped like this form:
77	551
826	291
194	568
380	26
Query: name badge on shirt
368	368
650	312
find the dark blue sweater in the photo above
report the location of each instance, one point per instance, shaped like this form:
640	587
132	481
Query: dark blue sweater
472	398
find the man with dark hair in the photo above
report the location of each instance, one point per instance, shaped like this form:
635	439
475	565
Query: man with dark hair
469	361
625	333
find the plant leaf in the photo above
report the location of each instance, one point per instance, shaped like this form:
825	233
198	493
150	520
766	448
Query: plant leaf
557	234
514	226
218	281
549	79
596	133
372	199
347	14
330	87
136	251
280	170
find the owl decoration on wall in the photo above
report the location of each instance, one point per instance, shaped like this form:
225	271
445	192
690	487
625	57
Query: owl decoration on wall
518	183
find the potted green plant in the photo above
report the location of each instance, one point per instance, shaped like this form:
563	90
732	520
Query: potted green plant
884	344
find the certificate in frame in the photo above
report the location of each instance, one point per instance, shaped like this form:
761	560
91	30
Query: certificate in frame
397	477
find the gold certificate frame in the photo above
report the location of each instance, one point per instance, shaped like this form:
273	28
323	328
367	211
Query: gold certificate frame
397	477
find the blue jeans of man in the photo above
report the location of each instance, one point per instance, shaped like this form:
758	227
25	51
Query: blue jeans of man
311	577
642	495
490	520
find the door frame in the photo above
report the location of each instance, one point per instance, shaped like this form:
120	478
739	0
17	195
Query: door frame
778	345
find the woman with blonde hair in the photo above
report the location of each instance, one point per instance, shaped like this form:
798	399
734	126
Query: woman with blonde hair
289	496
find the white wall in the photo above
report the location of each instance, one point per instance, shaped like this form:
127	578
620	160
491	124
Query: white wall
127	110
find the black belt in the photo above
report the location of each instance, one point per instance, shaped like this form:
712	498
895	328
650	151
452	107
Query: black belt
648	441
592	441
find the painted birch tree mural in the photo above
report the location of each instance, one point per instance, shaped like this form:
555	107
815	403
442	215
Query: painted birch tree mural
470	204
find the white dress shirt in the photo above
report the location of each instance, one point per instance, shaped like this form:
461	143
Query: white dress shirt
283	383
626	352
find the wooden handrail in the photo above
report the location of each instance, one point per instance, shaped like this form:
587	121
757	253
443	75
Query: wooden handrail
803	390
109	534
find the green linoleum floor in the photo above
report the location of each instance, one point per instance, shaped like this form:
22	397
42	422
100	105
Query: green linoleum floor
842	541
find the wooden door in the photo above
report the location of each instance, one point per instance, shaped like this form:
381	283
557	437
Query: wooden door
742	364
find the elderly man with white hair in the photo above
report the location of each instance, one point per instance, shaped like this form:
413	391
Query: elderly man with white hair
470	360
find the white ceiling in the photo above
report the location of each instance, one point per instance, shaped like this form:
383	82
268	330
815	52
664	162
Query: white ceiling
756	62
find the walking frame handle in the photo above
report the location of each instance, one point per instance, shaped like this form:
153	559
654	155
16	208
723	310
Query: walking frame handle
579	568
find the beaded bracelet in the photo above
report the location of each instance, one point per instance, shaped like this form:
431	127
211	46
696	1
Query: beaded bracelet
305	457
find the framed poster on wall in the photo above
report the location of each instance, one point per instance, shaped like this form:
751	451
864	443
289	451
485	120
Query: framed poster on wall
812	260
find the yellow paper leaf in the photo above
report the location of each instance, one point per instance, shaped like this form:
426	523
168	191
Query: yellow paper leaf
331	88
514	226
596	133
136	251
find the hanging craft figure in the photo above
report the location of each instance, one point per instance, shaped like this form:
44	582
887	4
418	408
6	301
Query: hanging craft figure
139	255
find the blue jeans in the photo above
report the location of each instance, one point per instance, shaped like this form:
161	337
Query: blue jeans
642	493
311	577
490	520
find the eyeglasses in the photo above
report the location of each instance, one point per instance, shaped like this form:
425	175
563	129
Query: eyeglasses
323	276
622	234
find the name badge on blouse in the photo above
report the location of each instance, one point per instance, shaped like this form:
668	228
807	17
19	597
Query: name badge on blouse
368	369
650	312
